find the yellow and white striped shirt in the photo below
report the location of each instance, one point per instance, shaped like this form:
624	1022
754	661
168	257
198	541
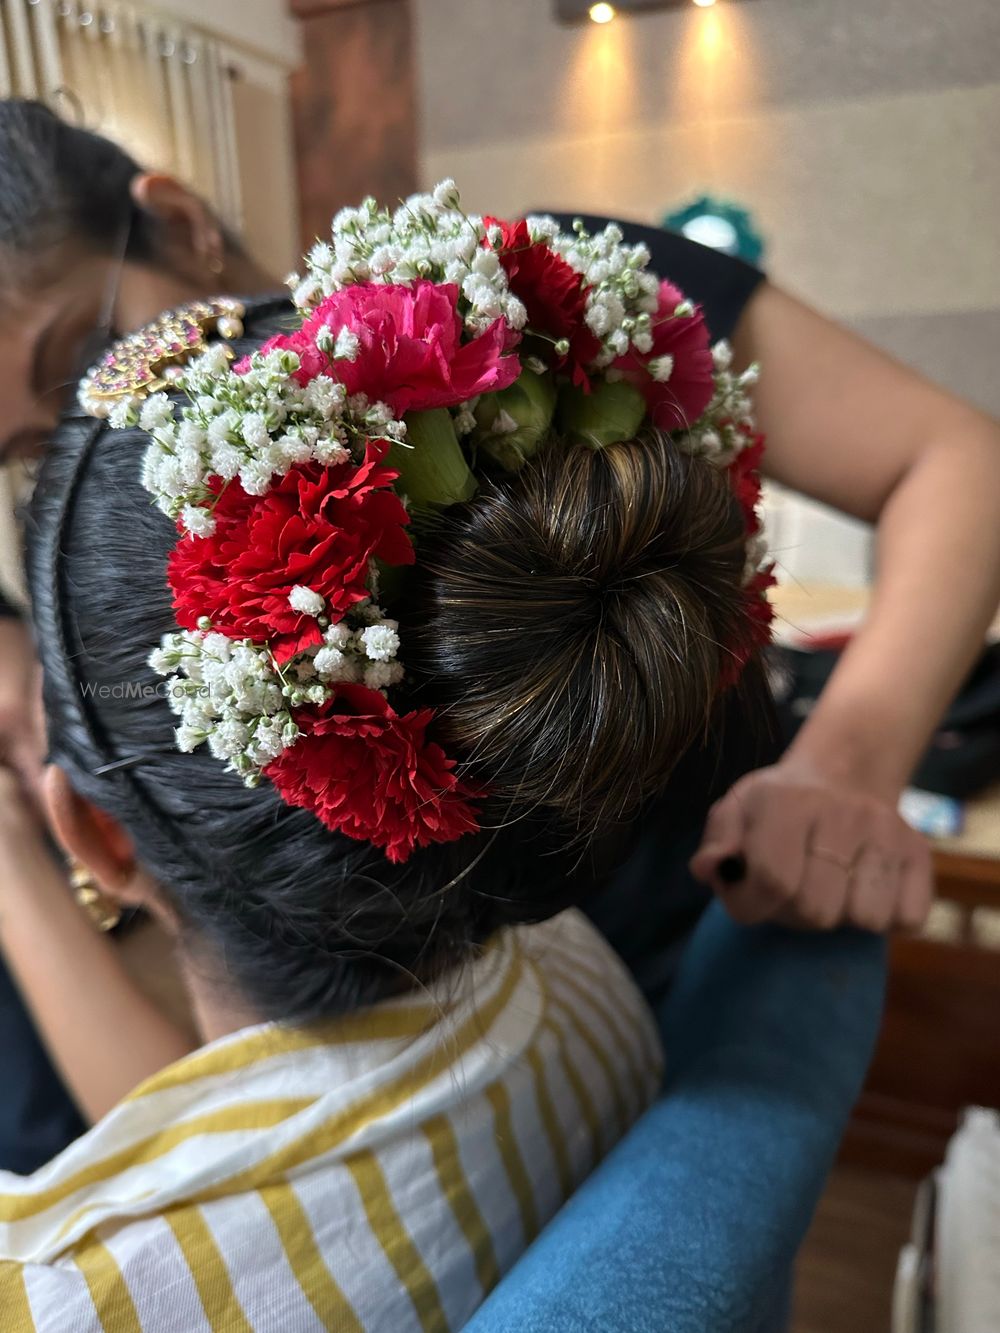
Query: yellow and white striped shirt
379	1172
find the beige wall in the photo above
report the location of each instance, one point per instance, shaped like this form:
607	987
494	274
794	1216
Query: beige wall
864	137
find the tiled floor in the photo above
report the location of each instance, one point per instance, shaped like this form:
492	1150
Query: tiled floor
847	1266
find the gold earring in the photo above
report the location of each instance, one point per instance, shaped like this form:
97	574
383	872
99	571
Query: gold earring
216	264
103	911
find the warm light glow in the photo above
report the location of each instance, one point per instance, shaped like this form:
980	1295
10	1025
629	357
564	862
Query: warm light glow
603	13
704	4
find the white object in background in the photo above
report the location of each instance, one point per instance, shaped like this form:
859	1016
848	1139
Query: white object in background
906	1293
812	543
968	1228
927	812
11	564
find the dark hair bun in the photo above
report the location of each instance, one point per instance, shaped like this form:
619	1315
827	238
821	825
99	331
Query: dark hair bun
574	623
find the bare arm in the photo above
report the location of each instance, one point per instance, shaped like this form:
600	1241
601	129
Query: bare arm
850	427
20	722
103	1033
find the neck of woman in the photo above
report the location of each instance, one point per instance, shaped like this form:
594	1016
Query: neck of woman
217	1009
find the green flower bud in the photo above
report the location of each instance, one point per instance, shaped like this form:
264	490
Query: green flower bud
528	406
432	469
612	411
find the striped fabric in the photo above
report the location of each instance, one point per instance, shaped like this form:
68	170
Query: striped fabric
379	1172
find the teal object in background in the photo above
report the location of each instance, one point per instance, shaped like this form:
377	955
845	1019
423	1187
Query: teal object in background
720	225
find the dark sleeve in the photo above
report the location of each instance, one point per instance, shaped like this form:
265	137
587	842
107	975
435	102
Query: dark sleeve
719	283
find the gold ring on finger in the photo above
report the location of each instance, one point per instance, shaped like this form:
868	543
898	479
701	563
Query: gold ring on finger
822	854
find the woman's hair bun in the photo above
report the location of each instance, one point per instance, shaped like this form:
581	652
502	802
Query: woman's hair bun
574	622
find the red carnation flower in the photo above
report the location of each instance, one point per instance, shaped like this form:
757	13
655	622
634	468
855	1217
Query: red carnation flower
553	293
316	527
367	772
410	352
680	400
759	616
744	476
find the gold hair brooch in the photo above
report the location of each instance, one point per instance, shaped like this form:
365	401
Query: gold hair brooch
150	359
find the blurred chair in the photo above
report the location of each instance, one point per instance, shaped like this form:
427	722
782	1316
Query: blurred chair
692	1224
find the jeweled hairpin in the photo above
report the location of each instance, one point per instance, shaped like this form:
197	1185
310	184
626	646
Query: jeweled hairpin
150	359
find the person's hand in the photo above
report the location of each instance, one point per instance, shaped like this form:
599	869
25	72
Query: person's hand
21	741
814	852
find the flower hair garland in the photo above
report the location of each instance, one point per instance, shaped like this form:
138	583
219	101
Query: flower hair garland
432	344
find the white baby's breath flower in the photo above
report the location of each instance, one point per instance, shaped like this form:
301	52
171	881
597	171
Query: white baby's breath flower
324	396
228	739
465	422
267	742
293	448
383	675
199	522
213	362
162	661
254	430
384	260
711	442
226	461
446	194
306	291
123	414
347	346
337	636
329	662
223	427
188	738
661	368
190	435
255	476
156	411
192	467
330	451
722	355
337	667
306	601
381	641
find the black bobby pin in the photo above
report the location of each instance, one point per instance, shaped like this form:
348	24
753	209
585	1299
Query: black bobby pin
731	869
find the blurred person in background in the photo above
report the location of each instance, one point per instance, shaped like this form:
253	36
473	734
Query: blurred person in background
90	246
107	248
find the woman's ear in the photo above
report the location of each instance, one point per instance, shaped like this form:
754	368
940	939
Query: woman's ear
88	835
191	228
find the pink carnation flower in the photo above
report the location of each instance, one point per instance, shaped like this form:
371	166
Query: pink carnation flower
681	398
409	351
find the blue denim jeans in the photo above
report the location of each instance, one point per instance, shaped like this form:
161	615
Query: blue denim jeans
692	1224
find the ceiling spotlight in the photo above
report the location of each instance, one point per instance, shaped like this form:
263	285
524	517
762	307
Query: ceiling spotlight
580	11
